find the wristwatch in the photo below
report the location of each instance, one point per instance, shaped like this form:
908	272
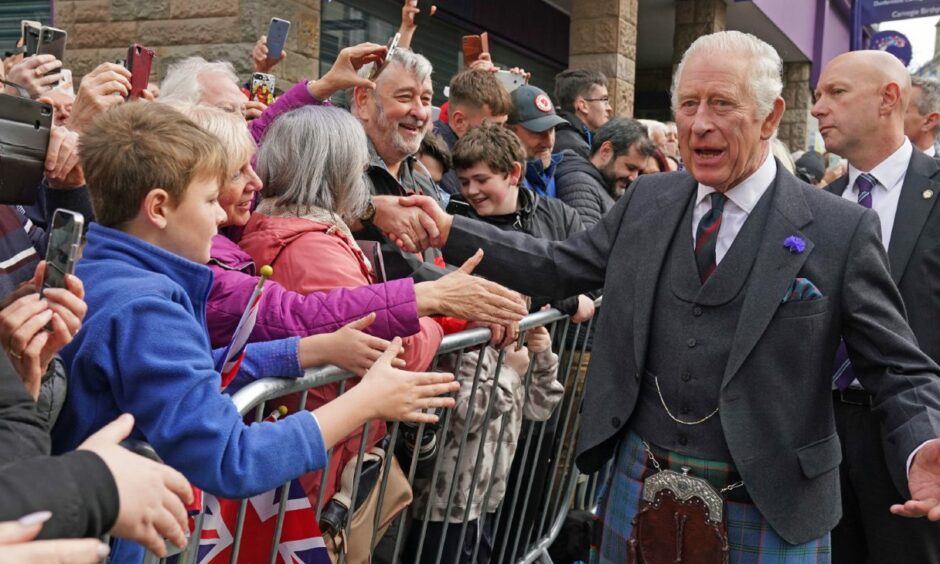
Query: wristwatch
368	215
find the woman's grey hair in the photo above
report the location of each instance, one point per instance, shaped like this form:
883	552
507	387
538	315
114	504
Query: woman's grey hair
316	157
182	78
763	83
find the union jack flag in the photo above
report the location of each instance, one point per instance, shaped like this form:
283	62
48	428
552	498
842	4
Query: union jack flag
300	542
235	353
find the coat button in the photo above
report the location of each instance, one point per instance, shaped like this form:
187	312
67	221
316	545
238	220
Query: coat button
691	343
615	422
686	376
697	311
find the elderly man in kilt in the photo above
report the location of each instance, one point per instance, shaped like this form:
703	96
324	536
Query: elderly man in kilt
727	290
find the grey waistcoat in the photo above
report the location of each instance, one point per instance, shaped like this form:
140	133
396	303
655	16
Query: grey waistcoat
692	329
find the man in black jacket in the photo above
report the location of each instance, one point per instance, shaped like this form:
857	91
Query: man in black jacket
619	154
584	104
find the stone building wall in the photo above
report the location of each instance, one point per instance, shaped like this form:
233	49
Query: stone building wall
603	38
799	99
102	30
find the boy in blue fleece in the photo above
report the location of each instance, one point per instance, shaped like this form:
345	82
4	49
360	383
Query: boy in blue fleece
154	179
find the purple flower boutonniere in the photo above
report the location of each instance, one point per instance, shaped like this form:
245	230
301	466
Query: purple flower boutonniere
794	244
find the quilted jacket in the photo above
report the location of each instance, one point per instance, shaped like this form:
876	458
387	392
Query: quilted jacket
284	313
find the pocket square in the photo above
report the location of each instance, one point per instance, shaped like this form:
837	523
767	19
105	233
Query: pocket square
801	290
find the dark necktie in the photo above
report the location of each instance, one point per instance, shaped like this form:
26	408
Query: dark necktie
706	237
844	375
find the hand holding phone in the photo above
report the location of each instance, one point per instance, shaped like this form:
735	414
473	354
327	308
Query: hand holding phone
474	46
378	67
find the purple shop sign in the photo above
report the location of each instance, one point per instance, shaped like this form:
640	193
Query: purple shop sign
893	42
874	11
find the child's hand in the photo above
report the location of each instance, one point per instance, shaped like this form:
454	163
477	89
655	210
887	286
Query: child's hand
398	395
518	360
348	347
538	339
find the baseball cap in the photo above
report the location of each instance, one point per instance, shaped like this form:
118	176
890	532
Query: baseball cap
532	109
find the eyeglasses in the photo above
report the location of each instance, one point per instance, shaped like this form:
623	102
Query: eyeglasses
605	99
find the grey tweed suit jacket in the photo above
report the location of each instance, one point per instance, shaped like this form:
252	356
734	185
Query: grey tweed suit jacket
776	403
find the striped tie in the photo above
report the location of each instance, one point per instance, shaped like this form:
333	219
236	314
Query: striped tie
865	183
844	375
706	237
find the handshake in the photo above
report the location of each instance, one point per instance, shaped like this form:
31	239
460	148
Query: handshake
414	223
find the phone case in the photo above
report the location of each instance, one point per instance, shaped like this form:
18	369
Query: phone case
24	138
473	47
52	42
31	31
139	62
63	247
277	37
262	88
390	47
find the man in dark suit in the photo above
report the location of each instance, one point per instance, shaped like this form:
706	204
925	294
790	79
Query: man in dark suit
861	100
726	291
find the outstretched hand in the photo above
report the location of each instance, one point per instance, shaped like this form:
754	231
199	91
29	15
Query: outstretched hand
461	295
398	395
924	483
344	72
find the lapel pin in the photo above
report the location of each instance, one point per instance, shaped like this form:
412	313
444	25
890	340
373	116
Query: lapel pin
794	244
928	193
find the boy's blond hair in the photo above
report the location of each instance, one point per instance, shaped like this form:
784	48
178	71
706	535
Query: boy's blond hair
492	144
134	148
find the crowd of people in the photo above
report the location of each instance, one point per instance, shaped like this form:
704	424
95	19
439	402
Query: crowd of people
768	326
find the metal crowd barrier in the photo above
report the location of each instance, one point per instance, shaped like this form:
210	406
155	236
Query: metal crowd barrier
542	487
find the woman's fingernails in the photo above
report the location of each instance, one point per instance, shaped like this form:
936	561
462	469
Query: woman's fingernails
34	518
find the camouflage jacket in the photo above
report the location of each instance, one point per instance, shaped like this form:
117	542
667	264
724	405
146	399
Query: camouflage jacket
512	402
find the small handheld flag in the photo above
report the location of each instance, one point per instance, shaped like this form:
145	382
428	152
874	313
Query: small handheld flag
235	352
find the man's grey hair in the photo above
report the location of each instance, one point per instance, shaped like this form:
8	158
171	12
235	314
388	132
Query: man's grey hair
763	82
182	82
622	133
929	99
315	157
411	61
653	125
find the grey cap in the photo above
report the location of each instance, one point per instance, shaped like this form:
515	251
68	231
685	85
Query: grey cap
533	110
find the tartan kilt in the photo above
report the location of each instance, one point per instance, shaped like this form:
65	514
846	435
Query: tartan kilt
750	537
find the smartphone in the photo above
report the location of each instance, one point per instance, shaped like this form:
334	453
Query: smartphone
31	31
458	207
474	46
277	37
262	88
52	42
390	47
139	61
62	253
510	81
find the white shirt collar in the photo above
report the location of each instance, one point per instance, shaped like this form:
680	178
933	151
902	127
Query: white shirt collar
931	151
746	194
890	171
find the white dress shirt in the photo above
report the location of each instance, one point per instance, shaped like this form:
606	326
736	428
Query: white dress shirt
885	195
931	151
741	201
